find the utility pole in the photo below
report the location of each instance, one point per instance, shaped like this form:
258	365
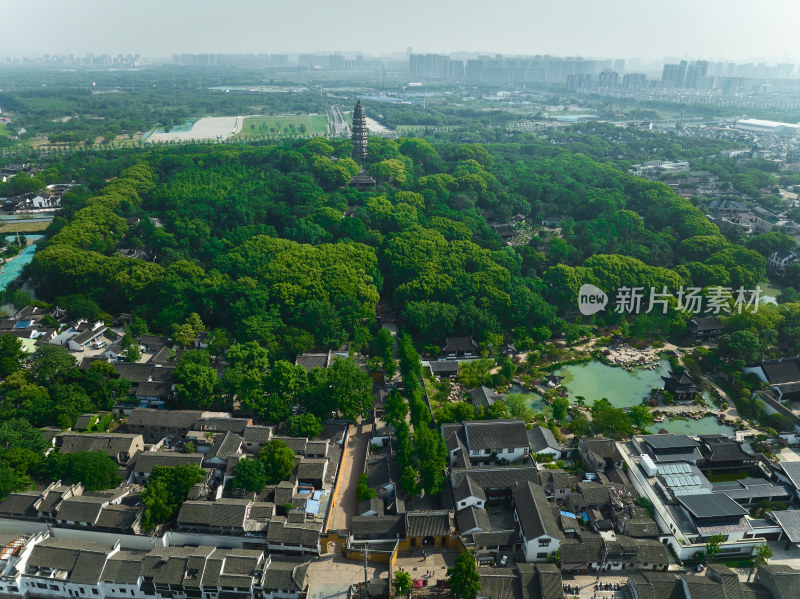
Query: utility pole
365	553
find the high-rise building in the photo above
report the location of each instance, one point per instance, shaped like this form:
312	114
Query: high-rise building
634	81
609	79
695	74
674	75
359	132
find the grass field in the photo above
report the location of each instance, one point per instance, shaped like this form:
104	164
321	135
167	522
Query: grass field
273	126
3	131
23	227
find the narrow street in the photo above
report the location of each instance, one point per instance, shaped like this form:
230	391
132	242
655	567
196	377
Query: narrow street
346	502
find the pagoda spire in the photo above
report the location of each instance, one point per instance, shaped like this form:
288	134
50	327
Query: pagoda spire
359	132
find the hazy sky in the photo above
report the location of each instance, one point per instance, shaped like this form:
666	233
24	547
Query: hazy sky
732	29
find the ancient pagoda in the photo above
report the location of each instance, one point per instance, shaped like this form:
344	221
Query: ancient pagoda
359	132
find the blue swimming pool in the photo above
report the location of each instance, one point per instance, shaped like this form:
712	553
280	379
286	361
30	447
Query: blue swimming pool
13	269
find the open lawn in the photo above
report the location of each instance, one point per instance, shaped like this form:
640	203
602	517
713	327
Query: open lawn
291	125
4	132
24	227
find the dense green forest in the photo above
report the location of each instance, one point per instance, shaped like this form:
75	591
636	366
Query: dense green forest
269	244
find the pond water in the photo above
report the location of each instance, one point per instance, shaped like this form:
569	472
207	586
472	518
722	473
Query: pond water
13	269
624	389
769	292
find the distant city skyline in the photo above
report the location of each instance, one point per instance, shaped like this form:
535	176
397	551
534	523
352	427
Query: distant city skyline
731	30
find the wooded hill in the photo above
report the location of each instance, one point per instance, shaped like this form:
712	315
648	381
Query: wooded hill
270	244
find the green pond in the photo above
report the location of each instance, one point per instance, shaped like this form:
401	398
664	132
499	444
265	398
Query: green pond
624	389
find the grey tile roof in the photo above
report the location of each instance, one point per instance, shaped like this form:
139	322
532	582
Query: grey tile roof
63	554
147	460
650	551
444	367
428	523
307	534
153	340
153	389
286	575
311	361
782	371
670	441
54	496
549	581
83	421
485	397
257	434
262	510
730	580
81	509
378	527
540	438
88	567
123	567
459	344
789	521
223	513
20	505
589	494
51	555
783	581
118	518
641	527
283	493
133	371
378	471
558	479
702	587
375	504
495	434
534	513
169	565
496	477
111	444
312	469
495	538
708	323
472	518
296	444
586	551
224	446
221	425
451	432
499	584
792	470
715	505
468	488
721	448
664	585
159	419
601	449
318	448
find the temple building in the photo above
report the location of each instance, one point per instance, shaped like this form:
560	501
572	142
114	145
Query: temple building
359	132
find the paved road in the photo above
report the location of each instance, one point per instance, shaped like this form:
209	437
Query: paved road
331	575
352	467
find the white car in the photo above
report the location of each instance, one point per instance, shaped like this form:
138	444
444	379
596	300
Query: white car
504	561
